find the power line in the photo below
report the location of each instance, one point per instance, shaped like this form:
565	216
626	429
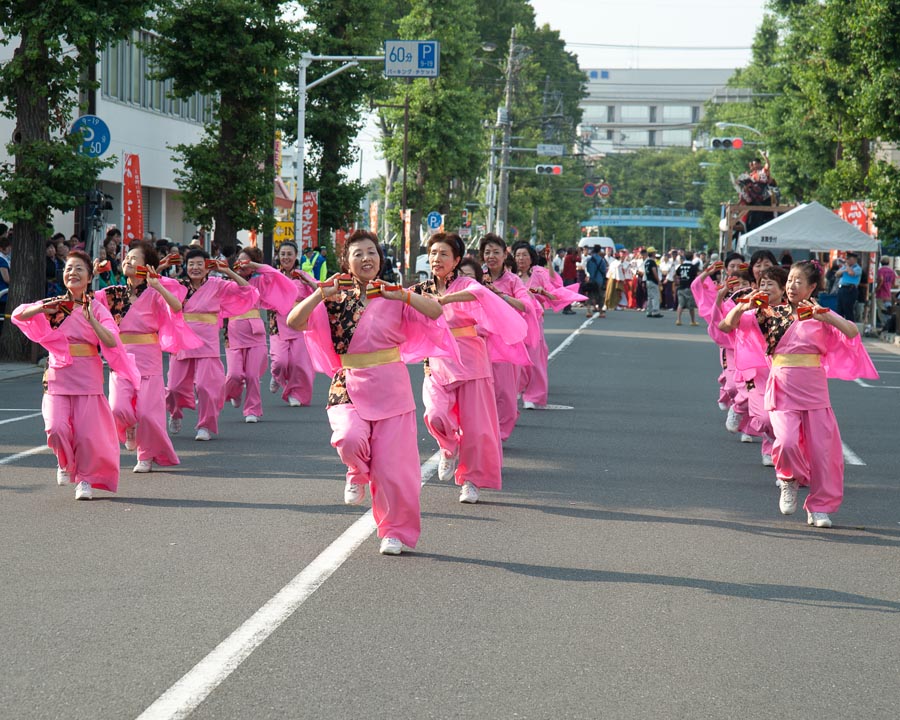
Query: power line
687	48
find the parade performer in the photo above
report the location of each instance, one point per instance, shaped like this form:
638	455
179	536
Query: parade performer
534	380
208	301
513	292
362	333
806	345
147	311
245	335
460	401
78	421
292	369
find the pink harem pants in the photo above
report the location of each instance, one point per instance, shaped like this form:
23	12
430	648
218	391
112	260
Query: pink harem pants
208	375
808	448
505	378
462	417
292	368
383	454
145	408
246	366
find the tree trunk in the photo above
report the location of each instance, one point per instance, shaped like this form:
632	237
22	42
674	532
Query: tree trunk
27	276
225	232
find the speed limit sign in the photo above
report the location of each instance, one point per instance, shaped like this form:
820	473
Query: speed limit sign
604	190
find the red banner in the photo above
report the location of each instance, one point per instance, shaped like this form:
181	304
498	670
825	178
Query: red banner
132	201
856	214
309	220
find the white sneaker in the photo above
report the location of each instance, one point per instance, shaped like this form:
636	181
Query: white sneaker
733	421
788	501
767	460
251	419
273	386
447	468
143	466
391	546
779	482
203	434
83	491
62	477
745	438
354	493
723	406
468	493
130	442
294	402
527	405
819	519
174	425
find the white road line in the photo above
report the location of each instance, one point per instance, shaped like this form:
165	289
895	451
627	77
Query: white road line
186	694
863	383
850	457
26	453
20	409
21	417
568	341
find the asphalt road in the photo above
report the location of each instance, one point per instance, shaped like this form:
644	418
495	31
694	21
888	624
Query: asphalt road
634	566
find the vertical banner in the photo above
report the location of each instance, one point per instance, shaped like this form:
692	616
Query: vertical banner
407	216
277	153
132	201
857	214
373	217
309	220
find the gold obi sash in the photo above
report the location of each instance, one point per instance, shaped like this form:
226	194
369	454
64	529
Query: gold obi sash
82	350
208	318
797	360
251	315
139	338
359	361
466	331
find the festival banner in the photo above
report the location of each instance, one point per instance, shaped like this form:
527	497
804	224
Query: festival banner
132	201
309	220
373	217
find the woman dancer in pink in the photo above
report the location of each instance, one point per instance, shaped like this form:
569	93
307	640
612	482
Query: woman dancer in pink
147	311
77	418
512	291
361	334
460	402
245	335
808	344
292	368
208	301
534	380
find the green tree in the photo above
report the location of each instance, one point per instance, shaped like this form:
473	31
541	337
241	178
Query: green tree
234	51
40	88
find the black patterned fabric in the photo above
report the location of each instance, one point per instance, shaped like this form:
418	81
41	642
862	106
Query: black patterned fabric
774	323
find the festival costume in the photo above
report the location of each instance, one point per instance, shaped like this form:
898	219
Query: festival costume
245	338
704	291
459	396
534	381
803	355
371	409
292	367
506	374
78	421
147	326
203	310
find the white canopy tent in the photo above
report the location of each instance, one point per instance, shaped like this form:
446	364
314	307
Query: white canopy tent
603	242
811	227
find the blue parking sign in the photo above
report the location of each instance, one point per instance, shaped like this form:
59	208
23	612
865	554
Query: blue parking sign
435	220
427	55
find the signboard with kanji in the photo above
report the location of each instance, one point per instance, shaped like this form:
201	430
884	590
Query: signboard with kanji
309	220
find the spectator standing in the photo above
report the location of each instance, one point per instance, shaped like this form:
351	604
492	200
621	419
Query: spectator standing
651	278
848	277
319	266
558	260
596	268
686	273
5	253
884	279
569	273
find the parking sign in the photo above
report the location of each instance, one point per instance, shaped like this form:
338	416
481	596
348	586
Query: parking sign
412	58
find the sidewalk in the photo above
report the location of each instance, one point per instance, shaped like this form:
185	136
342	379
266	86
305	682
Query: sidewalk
13	370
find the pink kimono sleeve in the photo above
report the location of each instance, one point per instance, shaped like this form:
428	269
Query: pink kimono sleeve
276	291
37	329
425	337
846	358
118	360
236	299
318	342
503	327
717	313
704	291
562	296
174	332
749	344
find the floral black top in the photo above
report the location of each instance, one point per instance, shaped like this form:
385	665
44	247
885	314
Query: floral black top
344	313
774	323
186	281
118	297
57	318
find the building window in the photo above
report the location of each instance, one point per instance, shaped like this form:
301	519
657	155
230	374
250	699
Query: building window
635	113
610	113
695	114
651	138
653	114
610	134
675	138
677	114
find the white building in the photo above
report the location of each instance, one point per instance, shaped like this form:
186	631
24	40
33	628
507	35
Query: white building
142	120
630	109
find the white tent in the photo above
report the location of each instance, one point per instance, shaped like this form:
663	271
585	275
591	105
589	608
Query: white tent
603	242
810	227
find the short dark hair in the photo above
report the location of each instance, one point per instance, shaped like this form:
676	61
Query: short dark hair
524	245
476	268
195	252
777	273
490	239
452	239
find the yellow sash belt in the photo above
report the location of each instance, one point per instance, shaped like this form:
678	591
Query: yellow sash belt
247	316
467	331
82	350
139	338
797	360
208	318
358	361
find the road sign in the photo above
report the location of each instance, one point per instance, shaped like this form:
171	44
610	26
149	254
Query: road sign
551	150
604	190
435	220
283	231
465	232
412	58
589	189
95	133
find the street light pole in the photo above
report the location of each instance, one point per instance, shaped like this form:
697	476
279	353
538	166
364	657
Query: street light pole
722	125
503	118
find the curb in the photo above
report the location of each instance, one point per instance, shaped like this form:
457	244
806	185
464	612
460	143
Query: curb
13	371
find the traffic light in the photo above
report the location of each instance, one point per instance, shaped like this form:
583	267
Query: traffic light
548	169
727	143
464	216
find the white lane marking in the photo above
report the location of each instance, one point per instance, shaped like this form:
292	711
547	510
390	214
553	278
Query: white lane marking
20	409
863	383
21	417
26	453
554	407
850	457
193	688
568	341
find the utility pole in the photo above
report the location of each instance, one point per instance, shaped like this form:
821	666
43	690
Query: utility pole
490	195
504	121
